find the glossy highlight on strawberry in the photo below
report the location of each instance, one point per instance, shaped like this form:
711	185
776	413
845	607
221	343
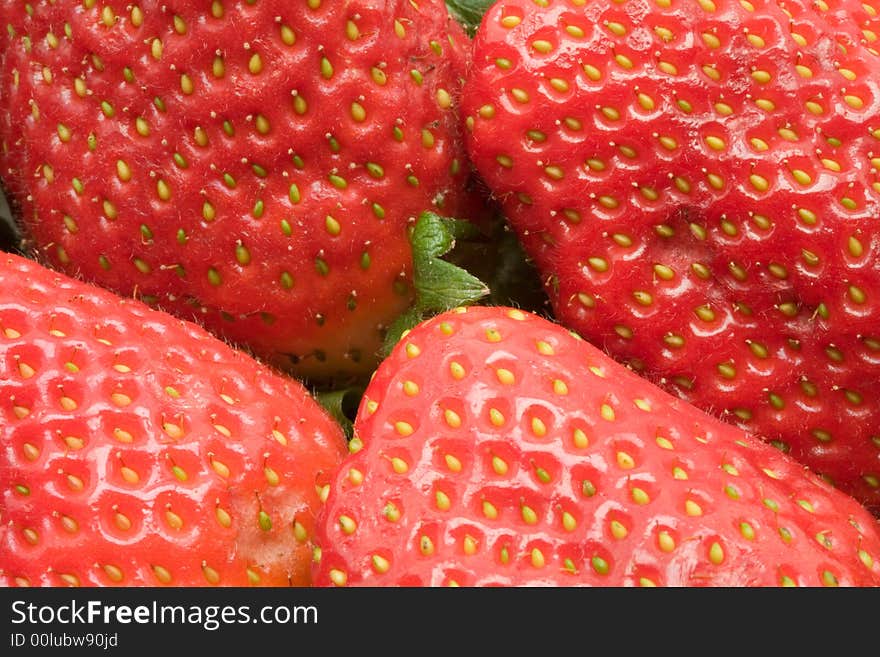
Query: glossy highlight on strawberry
495	448
697	182
139	450
251	165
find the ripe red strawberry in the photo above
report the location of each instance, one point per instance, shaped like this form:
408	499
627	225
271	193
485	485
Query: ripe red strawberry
497	448
252	165
697	182
139	450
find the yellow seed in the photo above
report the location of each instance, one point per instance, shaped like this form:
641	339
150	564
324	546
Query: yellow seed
554	172
452	418
664	443
759	182
855	247
123	171
358	113
711	40
31	452
594	74
162	574
452	462
639	496
610	113
129	475
338	577
623	61
444	99
807	216
537	558
625	461
442	500
542	46
598	264
711	72
403	428
538	427
528	515
74	442
399	465
380	563
489	510
664	33
802	177
347	524
496	417
255	64
691	508
618	530
857	294
505	376
31	536
716	143
665	541
174	521
288	36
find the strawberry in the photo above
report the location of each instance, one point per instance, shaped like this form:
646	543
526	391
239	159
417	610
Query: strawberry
254	166
494	447
697	183
140	450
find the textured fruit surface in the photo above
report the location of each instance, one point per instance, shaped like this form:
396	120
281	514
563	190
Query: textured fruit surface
697	182
250	165
496	448
137	449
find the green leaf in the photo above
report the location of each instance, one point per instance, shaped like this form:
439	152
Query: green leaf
498	258
342	405
469	12
439	285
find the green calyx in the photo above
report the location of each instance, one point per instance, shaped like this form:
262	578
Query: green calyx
439	285
468	12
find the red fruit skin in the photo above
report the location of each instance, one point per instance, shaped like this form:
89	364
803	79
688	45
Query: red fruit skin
711	219
207	226
139	450
594	476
